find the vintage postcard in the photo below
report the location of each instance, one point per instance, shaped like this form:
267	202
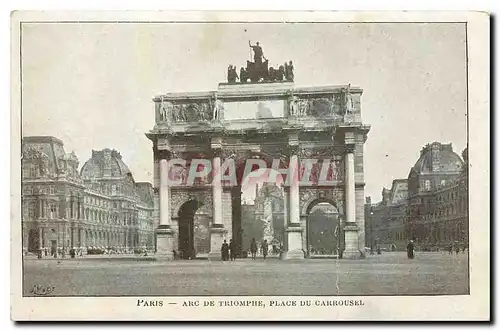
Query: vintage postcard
250	166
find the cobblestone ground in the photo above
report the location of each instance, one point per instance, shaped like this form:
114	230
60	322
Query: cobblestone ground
387	274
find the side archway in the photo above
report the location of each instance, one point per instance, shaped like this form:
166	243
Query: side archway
323	229
186	228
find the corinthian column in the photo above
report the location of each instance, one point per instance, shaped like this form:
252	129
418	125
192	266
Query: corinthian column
164	232
352	249
217	230
164	195
293	229
350	188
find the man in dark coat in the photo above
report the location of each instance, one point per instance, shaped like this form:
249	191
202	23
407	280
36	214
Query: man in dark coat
224	251
232	250
253	248
409	249
264	249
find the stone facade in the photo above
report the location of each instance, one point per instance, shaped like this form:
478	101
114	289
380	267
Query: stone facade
431	206
99	207
385	220
437	197
265	121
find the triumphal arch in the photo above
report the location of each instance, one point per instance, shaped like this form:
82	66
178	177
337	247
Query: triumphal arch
206	144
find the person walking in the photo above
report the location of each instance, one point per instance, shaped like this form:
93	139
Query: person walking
232	250
264	248
409	249
253	248
224	251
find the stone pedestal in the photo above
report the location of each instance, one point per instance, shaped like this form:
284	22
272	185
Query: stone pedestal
164	249
352	249
217	233
294	238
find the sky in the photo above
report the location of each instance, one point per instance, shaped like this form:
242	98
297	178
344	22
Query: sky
91	84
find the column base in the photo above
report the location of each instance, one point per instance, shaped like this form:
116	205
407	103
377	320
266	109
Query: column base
296	254
164	246
217	233
294	238
352	251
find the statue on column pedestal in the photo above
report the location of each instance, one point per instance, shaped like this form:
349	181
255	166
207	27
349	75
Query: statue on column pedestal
293	105
218	112
349	106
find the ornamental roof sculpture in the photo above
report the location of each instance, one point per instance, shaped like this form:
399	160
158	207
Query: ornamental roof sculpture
259	70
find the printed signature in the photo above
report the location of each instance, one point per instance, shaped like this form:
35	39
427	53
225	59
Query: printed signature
42	290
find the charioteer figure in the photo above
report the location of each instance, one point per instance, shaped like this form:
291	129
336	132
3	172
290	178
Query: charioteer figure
258	54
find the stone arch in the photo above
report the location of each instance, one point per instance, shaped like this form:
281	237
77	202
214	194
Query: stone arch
204	200
313	201
311	197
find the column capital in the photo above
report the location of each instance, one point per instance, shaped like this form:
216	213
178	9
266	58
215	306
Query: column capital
161	154
217	152
293	149
349	148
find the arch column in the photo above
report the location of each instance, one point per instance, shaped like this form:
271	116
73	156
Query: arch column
350	228
164	232
293	231
217	230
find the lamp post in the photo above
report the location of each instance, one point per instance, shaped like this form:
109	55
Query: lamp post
371	230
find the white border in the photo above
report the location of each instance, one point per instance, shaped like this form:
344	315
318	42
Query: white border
475	306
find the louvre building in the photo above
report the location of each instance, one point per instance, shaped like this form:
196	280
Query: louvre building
99	206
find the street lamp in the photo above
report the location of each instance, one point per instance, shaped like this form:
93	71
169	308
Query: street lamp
371	230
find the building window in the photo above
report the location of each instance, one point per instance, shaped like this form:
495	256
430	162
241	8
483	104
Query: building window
32	170
443	182
427	185
53	211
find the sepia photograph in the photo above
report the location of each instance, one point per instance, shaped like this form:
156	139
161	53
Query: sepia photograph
267	163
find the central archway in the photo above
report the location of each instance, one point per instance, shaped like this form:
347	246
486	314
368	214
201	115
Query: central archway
186	240
324	235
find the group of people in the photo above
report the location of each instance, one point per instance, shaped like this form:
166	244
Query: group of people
452	247
455	247
229	250
73	252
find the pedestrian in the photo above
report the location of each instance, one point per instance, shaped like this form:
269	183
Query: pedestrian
457	247
224	250
409	249
253	248
264	249
232	250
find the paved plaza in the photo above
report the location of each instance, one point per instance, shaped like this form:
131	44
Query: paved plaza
388	274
